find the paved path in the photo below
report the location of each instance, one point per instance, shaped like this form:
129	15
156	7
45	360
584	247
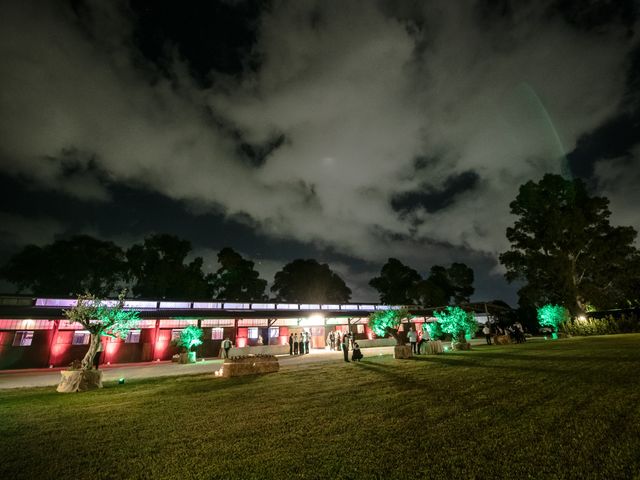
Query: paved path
49	377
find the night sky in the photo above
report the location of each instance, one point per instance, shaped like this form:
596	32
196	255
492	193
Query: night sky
346	131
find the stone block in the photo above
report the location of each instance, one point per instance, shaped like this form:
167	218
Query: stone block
79	380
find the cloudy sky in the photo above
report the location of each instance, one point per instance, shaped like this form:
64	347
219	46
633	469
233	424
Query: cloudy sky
346	131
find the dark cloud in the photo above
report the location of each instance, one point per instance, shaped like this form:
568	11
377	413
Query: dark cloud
431	199
208	36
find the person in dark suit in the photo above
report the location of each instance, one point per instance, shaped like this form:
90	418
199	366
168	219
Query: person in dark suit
291	344
345	347
356	356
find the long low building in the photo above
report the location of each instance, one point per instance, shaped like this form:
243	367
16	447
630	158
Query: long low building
35	334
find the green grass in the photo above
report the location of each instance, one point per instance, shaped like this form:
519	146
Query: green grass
564	409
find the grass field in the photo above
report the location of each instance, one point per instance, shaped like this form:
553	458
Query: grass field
564	409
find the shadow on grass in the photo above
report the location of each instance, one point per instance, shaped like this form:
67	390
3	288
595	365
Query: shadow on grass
388	371
548	357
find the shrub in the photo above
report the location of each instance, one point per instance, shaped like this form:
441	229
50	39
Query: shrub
552	316
602	326
190	337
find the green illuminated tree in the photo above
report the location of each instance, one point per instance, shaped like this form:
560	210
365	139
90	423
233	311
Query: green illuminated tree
564	248
552	316
237	280
102	319
457	322
307	281
190	338
433	329
387	322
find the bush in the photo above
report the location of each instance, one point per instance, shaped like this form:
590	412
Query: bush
602	326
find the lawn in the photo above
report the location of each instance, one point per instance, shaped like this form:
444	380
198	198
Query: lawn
562	409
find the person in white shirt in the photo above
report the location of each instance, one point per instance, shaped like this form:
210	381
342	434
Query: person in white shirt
487	333
413	339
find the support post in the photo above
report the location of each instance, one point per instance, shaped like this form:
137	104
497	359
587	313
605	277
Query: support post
52	342
155	340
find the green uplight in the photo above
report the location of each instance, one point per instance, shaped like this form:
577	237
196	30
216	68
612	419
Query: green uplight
121	381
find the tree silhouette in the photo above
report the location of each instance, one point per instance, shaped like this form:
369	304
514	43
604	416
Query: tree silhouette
68	267
564	247
236	279
307	281
159	270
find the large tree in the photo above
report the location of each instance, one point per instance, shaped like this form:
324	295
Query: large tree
236	279
159	269
445	286
68	267
307	281
564	248
396	283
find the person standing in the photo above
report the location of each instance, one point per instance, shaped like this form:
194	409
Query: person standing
306	342
98	355
423	338
332	340
291	344
301	344
226	346
413	339
295	344
487	333
345	347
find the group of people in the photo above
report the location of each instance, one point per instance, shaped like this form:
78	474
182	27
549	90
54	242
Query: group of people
515	332
416	340
335	339
345	342
299	345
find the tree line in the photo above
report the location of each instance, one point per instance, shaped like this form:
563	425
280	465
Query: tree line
160	267
563	251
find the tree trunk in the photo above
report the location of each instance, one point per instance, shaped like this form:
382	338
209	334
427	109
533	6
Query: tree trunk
87	361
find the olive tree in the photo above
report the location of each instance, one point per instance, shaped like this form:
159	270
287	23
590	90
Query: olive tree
102	318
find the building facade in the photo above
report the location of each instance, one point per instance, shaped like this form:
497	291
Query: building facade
35	334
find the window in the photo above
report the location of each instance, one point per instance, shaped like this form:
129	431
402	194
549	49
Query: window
81	337
133	336
360	328
274	332
253	332
175	334
23	338
217	333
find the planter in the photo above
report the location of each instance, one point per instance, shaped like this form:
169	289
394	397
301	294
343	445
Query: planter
188	357
79	380
433	347
460	346
501	339
402	351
